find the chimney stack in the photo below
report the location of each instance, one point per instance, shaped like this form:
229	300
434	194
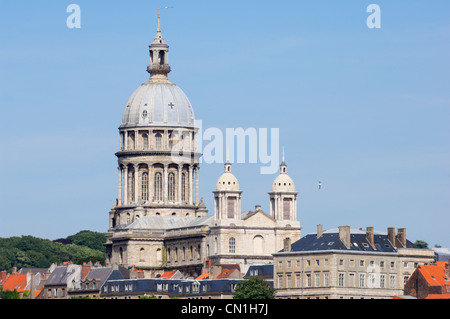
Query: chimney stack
287	244
344	235
447	268
319	230
369	236
401	236
391	235
85	269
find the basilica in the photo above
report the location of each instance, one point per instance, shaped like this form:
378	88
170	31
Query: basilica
159	222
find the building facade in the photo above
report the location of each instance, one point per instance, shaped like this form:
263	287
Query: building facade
159	221
347	263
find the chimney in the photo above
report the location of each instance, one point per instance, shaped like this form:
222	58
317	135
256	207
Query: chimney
447	269
319	230
257	208
369	236
391	235
344	235
85	268
287	244
401	236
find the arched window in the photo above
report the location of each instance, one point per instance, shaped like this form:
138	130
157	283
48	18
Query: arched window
144	187
141	254
132	186
158	141
159	255
258	245
171	187
183	187
161	57
158	186
145	141
232	245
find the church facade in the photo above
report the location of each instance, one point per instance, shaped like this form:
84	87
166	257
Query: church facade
159	222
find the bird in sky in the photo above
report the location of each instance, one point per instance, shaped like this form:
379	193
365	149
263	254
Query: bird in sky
319	184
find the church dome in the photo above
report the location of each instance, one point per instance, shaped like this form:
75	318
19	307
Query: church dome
227	181
158	104
283	183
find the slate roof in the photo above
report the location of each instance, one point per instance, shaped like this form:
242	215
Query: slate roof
329	240
169	222
99	274
260	270
60	275
171	286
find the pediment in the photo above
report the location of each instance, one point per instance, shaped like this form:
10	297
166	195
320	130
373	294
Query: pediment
259	219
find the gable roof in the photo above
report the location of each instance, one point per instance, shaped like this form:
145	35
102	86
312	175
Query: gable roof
435	274
205	275
99	274
17	282
61	274
225	273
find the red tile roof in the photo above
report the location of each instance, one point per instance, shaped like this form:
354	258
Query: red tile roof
435	274
17	282
438	296
205	275
168	274
225	273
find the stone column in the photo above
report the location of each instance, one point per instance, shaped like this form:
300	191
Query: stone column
119	197
196	184
136	182
190	184
180	171
136	144
166	183
125	186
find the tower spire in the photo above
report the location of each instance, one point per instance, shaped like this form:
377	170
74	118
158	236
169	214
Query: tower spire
159	55
283	165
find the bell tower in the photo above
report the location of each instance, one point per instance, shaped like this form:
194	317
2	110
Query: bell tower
159	56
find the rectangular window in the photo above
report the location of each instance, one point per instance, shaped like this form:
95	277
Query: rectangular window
341	280
317	280
231	206
287	208
289	281
280	281
308	280
325	279
382	281
392	281
297	280
362	281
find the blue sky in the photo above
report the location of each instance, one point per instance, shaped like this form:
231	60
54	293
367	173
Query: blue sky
365	111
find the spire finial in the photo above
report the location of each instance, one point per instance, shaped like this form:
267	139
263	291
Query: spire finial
159	22
227	165
159	56
282	159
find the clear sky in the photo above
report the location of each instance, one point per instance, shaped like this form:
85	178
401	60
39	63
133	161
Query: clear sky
365	111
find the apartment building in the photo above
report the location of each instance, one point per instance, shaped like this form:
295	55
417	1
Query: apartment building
345	263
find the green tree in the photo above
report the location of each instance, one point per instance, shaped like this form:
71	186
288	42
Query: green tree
254	288
421	244
89	239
